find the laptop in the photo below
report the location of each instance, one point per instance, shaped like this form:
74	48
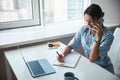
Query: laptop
40	67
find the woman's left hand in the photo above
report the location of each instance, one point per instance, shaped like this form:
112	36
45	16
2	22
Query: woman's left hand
98	28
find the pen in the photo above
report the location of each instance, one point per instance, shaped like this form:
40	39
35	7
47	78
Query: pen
59	55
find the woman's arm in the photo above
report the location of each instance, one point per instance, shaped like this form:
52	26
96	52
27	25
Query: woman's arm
94	54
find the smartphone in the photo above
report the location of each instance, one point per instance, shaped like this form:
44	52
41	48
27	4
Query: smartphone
101	20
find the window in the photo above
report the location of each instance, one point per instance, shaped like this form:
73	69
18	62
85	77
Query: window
63	10
21	13
18	13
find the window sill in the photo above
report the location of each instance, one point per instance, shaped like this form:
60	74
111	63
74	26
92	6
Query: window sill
21	36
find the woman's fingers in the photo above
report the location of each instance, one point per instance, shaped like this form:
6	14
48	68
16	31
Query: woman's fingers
60	58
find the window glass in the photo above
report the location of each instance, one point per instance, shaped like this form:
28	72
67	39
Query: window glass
14	10
19	13
62	10
22	13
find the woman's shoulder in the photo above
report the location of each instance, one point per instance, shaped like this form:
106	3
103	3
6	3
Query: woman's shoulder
107	32
83	28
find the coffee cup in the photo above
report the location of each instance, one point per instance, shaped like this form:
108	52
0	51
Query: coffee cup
70	76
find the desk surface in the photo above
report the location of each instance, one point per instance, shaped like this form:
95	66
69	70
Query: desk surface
85	70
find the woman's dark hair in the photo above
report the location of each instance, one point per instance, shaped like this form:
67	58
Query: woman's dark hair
94	11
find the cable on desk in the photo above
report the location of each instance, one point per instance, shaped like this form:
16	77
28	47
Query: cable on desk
21	53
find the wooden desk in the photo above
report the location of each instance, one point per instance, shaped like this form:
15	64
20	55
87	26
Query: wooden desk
85	70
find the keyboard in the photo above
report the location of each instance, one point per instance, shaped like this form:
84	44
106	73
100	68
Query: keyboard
36	67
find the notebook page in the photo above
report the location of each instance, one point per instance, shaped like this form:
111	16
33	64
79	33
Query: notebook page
71	60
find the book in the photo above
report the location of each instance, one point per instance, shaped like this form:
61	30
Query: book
71	60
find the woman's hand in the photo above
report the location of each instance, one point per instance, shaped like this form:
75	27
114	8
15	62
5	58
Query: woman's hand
66	51
60	58
98	28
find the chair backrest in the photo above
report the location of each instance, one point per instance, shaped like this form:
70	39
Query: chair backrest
114	52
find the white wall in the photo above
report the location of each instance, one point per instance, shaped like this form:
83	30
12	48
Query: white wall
111	8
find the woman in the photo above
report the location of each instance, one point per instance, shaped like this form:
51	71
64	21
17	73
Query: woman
94	37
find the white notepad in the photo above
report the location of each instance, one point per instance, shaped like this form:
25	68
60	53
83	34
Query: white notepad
71	60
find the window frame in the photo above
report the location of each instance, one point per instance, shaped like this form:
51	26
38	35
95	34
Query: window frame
23	23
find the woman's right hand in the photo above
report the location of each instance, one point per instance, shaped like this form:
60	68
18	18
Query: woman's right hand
60	58
66	51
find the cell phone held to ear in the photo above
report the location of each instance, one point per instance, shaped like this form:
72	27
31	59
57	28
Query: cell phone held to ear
101	20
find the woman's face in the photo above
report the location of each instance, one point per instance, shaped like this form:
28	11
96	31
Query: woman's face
89	21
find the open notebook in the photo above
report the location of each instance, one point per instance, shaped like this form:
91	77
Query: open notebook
71	60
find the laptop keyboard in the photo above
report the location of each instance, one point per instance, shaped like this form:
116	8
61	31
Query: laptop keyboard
36	67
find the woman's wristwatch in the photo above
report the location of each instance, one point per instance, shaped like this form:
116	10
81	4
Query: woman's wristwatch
97	42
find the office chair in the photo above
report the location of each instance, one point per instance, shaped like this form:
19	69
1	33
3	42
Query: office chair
114	52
